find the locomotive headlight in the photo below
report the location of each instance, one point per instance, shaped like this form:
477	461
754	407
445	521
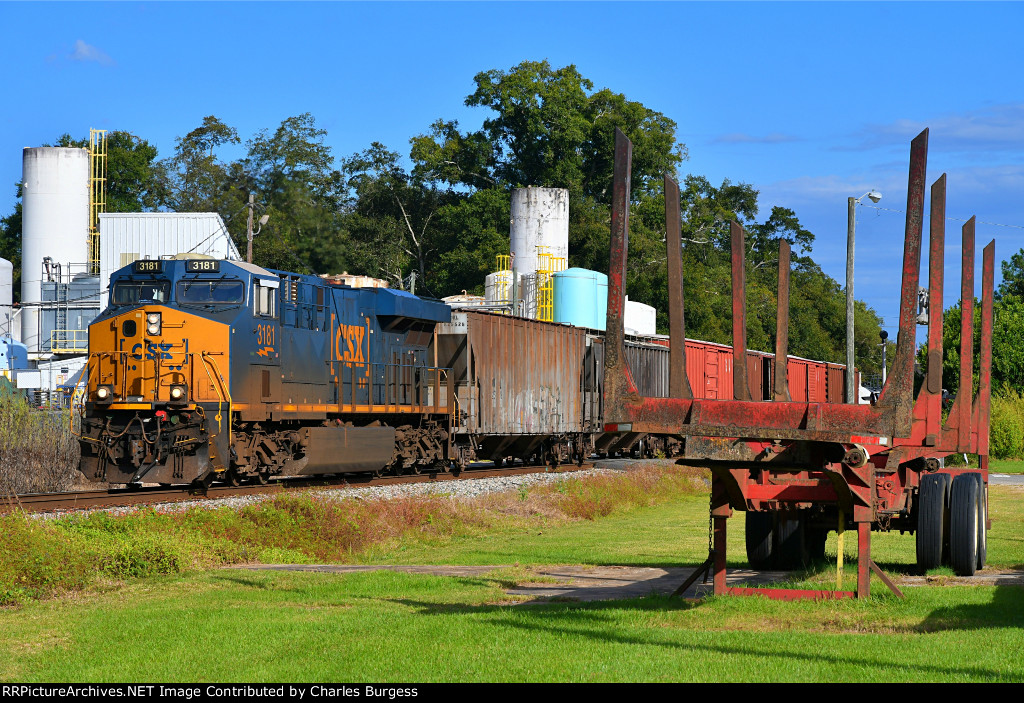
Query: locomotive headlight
105	394
179	393
153	323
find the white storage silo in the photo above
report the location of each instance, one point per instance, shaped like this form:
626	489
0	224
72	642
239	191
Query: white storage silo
540	218
639	319
6	297
55	223
528	295
498	288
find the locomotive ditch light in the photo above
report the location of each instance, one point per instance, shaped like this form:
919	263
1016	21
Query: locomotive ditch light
153	323
179	393
105	393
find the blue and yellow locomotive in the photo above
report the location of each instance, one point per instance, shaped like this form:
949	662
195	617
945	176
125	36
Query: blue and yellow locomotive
203	369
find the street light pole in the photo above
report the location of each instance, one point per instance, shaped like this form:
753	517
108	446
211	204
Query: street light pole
248	231
851	215
851	218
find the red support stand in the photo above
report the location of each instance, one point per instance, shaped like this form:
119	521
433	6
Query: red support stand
719	542
863	559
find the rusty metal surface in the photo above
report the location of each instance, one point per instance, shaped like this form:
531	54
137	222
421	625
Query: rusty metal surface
898	392
516	376
740	386
932	388
617	381
679	382
780	392
984	402
963	399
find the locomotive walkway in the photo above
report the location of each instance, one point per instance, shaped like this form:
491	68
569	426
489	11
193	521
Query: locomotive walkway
597	583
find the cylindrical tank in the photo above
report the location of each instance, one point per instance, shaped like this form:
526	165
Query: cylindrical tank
528	296
6	296
581	298
540	218
55	222
498	287
639	319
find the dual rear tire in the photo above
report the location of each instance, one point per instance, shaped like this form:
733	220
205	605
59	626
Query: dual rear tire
785	541
951	519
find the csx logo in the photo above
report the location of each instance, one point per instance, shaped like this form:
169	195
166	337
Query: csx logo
348	342
153	351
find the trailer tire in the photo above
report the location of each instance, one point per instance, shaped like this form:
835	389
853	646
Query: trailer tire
759	536
982	522
815	538
790	547
932	517
963	525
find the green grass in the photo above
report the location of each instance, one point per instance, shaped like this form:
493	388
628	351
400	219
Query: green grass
1006	466
132	622
392	627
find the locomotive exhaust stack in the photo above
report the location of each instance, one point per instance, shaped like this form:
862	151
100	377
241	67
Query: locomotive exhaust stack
800	469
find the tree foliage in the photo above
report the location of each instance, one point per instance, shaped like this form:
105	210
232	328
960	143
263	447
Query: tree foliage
439	214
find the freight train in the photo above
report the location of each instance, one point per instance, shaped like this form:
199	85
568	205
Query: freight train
203	369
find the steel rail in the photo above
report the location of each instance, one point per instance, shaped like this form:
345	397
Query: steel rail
126	497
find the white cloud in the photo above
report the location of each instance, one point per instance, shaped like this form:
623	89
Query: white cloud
87	52
995	128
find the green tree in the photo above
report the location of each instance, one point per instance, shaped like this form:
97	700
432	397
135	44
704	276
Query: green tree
194	179
392	227
291	171
549	129
1007	354
10	243
1013	277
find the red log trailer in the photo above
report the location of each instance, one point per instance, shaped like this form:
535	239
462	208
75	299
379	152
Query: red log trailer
801	469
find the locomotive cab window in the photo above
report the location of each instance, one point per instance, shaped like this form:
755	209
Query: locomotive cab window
203	291
134	292
264	297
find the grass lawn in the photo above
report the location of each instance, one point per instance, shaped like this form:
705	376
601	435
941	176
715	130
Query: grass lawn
237	625
1006	466
245	626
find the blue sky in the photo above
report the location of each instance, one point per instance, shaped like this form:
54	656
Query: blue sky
809	102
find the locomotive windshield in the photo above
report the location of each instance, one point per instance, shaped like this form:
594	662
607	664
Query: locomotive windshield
210	292
133	292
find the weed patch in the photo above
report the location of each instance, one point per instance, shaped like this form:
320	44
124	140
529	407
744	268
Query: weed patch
39	454
41	559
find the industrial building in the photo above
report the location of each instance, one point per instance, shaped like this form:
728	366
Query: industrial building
70	246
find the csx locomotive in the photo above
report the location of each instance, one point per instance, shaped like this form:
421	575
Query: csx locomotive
203	369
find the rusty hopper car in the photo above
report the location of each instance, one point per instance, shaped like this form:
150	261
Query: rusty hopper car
534	391
798	467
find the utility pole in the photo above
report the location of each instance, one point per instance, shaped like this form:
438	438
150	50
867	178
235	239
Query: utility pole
851	218
851	215
248	231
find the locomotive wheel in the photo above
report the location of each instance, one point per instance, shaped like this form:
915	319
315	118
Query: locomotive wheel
759	538
932	518
963	525
982	522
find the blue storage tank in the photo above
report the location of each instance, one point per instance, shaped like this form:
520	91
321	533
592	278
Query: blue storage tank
13	355
581	298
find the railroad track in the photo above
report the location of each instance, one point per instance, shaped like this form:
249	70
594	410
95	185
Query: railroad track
123	497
